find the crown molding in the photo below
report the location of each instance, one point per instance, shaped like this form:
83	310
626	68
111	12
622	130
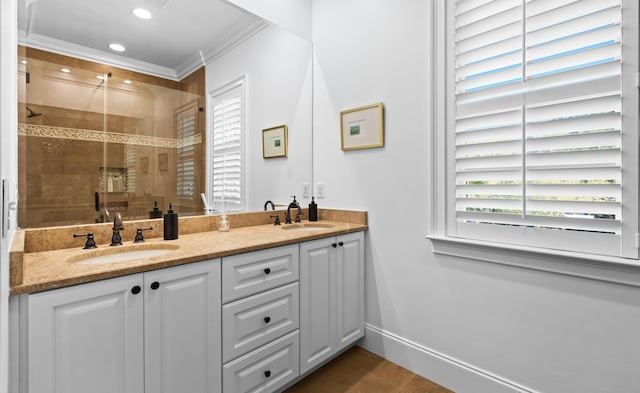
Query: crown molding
49	44
188	66
211	53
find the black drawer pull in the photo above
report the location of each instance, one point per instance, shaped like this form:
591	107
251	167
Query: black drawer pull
267	373
155	285
267	319
341	244
334	245
136	290
267	270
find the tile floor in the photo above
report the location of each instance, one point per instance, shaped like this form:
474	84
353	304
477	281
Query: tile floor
360	371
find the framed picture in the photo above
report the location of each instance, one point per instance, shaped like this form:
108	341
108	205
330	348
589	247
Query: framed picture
274	142
362	128
163	162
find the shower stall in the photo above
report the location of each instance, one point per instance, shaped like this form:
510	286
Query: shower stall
94	141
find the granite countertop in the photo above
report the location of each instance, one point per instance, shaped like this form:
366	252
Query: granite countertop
45	270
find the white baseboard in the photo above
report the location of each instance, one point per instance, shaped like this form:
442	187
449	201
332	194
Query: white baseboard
437	367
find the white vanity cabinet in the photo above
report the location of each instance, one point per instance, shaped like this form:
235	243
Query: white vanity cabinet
251	322
260	320
156	332
331	297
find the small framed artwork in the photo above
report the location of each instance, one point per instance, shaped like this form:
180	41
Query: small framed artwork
274	142
163	162
362	128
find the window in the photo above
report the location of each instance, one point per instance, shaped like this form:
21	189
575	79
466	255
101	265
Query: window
185	122
542	123
227	109
132	173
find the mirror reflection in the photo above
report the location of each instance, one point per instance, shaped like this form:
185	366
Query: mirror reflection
95	139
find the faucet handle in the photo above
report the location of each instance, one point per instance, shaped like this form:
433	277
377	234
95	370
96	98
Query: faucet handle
277	221
90	243
139	238
298	214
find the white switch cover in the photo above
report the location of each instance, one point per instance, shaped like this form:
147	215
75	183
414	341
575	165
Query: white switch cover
306	190
320	189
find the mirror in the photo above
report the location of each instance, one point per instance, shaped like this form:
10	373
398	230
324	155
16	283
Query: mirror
88	146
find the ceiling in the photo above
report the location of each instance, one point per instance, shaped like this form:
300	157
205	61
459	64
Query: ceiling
180	37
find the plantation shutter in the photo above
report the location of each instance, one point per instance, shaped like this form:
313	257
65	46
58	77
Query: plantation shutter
131	157
186	126
227	150
539	124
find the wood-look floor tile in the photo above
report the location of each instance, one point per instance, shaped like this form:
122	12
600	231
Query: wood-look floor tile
422	385
360	371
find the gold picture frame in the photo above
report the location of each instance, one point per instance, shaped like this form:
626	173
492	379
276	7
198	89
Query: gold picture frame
362	128
274	142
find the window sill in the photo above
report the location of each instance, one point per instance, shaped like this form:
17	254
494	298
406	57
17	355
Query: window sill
589	266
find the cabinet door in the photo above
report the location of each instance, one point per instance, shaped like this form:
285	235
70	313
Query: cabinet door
317	302
87	338
350	289
182	329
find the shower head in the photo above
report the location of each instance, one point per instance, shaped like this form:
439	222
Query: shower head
102	81
32	113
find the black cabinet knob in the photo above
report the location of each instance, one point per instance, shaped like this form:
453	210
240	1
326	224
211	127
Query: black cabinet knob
267	319
155	285
334	245
136	290
341	244
267	270
267	373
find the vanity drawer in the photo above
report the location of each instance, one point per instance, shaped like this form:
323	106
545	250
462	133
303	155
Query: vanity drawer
253	272
254	321
266	369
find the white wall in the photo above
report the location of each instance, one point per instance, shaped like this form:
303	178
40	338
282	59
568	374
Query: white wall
277	66
292	15
472	326
8	160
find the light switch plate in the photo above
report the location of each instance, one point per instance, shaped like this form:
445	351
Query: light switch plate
306	190
320	190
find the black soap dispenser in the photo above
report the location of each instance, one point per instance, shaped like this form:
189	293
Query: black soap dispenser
313	210
155	213
170	224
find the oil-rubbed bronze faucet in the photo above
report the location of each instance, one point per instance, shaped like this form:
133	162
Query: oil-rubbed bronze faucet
296	205
116	240
90	243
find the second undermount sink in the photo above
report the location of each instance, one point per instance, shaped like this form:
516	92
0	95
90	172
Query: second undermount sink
122	253
307	226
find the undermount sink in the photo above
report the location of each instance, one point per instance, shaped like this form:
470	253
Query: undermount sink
307	226
122	253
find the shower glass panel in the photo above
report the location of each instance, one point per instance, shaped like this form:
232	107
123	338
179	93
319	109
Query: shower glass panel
92	144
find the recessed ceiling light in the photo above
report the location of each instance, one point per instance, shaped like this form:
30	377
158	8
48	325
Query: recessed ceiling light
65	70
116	47
127	81
142	13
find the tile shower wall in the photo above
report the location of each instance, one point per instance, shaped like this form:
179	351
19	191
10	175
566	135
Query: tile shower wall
70	149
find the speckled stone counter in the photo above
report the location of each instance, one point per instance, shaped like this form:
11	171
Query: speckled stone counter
34	269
